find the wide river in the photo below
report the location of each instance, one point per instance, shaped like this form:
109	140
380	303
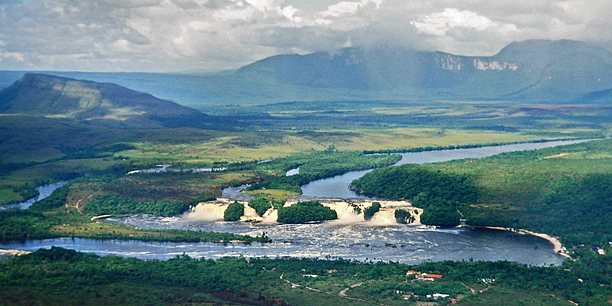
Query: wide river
350	240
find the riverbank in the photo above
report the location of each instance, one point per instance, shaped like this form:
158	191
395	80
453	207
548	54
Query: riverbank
13	252
558	248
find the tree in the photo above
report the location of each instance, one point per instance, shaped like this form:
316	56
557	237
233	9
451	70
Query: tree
233	212
369	212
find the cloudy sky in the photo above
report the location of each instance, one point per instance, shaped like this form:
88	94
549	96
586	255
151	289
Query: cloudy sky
212	35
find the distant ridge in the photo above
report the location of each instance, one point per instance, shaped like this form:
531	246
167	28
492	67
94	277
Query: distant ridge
531	71
54	96
538	70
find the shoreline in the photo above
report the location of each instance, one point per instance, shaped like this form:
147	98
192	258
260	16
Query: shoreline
14	252
558	248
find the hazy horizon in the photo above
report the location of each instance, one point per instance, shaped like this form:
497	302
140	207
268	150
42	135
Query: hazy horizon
217	35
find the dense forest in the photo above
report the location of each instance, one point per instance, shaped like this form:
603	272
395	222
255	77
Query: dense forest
59	277
440	194
302	212
564	191
114	204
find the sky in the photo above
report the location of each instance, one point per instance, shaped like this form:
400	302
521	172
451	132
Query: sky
215	35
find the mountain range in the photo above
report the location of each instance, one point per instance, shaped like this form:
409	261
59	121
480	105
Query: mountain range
532	71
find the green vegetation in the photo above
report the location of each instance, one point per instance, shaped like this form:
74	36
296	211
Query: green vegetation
369	212
261	205
59	277
403	216
24	224
563	191
59	216
113	204
233	212
316	166
439	194
303	212
56	200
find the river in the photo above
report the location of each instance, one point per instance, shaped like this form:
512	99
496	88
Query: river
358	240
337	187
43	192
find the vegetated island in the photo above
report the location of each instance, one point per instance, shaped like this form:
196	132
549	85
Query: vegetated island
562	191
292	211
68	212
54	217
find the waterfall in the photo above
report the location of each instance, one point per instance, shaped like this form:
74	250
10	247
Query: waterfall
348	211
270	216
208	211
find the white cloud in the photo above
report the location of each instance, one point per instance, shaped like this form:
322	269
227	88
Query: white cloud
439	23
15	55
170	35
348	7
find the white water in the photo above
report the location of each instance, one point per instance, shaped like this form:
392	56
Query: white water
349	237
349	212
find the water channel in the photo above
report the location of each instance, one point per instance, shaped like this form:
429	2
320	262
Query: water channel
357	240
43	192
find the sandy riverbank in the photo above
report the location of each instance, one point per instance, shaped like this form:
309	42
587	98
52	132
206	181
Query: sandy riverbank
13	252
557	246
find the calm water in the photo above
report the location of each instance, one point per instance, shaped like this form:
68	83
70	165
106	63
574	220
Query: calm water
337	187
361	240
44	191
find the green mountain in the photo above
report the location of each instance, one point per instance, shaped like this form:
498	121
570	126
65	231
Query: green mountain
58	97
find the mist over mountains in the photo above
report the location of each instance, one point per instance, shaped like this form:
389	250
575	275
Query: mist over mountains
533	71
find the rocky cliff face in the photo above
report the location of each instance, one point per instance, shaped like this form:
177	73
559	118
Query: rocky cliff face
531	70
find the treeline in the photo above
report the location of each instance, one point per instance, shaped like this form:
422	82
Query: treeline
578	210
87	279
440	194
453	147
172	235
94	152
114	204
258	279
303	212
16	224
261	205
317	166
55	200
